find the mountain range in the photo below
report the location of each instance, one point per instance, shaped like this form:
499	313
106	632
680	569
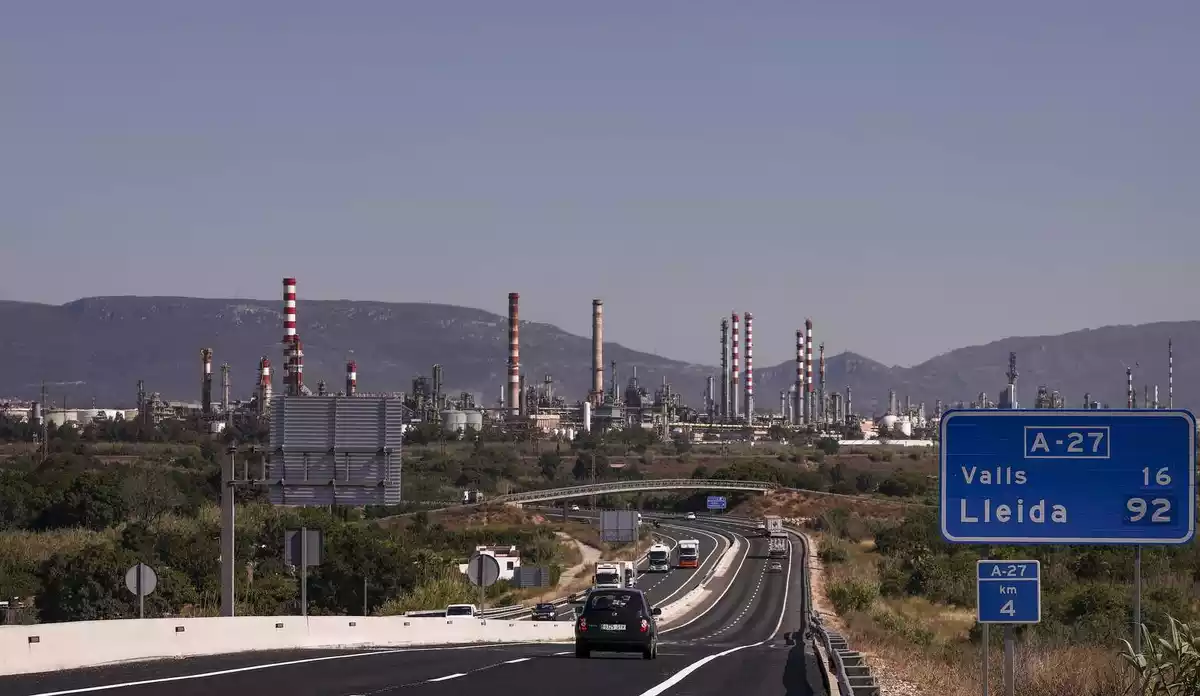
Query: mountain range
97	348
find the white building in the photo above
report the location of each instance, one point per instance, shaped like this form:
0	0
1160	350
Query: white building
508	557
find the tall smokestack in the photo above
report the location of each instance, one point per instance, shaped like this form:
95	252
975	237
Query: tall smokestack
264	384
225	387
597	352
821	384
735	372
1170	375
513	401
798	400
724	408
808	371
351	378
206	355
749	367
710	397
1129	387
292	380
849	403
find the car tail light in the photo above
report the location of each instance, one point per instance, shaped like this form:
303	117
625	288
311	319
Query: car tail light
582	624
645	625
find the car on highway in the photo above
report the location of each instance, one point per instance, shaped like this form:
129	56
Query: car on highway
544	611
775	567
691	515
574	508
617	620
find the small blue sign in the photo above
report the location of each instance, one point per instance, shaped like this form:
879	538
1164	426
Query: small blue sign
1009	592
716	502
1068	477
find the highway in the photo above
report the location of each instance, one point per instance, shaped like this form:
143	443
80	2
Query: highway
740	645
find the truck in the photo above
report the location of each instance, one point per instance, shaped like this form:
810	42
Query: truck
777	546
615	574
471	497
773	525
609	575
659	560
689	553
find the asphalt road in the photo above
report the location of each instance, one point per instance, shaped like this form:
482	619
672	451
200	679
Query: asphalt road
742	645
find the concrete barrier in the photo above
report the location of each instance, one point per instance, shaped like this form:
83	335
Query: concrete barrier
48	647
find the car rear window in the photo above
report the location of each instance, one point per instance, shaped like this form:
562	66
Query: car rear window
624	602
545	607
458	611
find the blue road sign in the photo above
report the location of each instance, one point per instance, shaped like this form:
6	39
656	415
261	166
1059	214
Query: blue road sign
1068	477
1009	591
716	502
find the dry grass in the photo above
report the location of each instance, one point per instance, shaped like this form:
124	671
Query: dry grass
922	647
29	549
808	504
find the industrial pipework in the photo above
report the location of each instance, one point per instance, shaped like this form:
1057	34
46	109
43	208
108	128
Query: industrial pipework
597	394
749	368
513	402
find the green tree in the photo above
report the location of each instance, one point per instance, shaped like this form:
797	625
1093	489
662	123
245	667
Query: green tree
549	464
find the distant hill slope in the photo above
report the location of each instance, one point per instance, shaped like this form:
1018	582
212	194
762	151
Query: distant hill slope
1075	363
107	343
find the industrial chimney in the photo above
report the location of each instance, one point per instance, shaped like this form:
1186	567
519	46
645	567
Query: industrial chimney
206	356
291	359
798	400
351	378
808	371
749	368
264	385
513	400
821	406
597	394
723	409
225	387
735	374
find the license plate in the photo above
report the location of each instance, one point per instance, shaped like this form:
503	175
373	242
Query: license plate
612	627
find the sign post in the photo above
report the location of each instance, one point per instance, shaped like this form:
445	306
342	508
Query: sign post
1008	592
717	502
141	580
1026	477
483	570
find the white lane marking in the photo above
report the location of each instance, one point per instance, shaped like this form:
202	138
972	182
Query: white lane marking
448	677
732	582
787	582
713	556
745	609
565	652
683	673
253	668
519	659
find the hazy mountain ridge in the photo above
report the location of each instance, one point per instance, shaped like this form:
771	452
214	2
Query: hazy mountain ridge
108	343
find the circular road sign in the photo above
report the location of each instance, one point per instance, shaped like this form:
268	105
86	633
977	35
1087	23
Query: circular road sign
483	570
148	577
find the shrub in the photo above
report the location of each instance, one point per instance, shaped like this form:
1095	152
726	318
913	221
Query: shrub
832	550
852	595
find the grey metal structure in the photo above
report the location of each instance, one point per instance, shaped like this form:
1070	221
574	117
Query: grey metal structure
619	526
335	450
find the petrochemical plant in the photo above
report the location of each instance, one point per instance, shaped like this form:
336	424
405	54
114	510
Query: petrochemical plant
728	411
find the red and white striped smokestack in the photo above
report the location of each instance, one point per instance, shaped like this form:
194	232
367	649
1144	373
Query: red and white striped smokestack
289	336
798	414
735	372
514	356
808	359
749	366
351	378
264	383
598	351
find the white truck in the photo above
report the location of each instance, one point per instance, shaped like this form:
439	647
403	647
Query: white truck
773	525
659	559
629	572
777	546
689	553
609	575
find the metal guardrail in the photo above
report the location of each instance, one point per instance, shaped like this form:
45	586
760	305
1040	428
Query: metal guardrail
633	487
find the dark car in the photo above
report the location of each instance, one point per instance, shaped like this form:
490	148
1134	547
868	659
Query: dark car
617	620
544	612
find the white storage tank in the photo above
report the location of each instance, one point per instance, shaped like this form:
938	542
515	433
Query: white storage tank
454	421
905	426
475	420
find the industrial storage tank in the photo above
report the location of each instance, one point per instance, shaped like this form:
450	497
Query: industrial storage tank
905	426
475	420
889	421
454	421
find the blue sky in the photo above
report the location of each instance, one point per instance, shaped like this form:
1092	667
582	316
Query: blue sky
914	176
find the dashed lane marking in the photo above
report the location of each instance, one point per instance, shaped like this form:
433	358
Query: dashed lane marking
448	677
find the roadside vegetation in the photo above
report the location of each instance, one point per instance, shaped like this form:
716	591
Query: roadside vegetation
904	594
